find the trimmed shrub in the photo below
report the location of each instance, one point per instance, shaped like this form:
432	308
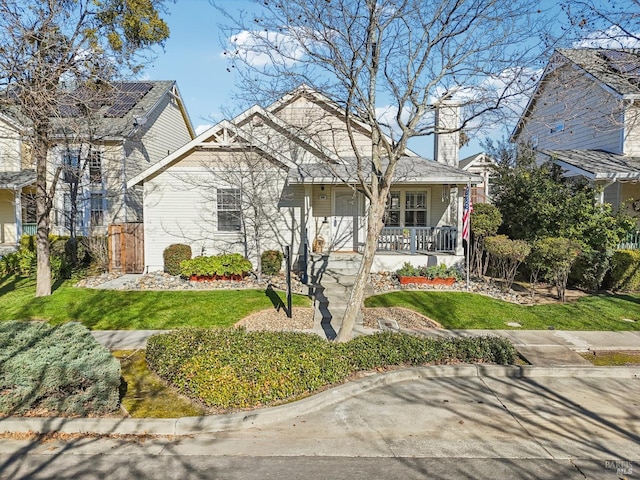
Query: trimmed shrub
58	370
173	255
553	257
224	265
271	261
233	368
485	220
506	255
625	271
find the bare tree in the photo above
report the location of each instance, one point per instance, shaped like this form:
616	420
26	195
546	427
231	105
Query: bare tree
45	44
407	54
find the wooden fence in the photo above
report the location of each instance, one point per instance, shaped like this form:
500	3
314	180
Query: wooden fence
126	248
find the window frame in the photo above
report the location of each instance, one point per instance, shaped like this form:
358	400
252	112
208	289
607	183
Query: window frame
227	211
401	194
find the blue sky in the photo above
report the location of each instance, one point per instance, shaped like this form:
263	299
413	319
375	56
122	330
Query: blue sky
192	57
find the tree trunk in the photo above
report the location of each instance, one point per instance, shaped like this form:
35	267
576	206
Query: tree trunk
43	209
355	304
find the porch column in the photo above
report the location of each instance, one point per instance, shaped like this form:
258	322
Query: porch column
18	213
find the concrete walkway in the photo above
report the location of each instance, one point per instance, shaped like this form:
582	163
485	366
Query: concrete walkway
541	348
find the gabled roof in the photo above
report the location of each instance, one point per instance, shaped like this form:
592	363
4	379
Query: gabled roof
308	92
596	164
116	112
616	71
480	158
17	180
204	141
409	170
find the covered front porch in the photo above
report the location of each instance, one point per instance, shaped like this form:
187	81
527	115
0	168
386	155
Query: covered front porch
13	208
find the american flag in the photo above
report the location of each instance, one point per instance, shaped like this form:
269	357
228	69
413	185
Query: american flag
466	215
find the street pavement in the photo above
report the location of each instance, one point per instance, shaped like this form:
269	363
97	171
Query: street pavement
544	421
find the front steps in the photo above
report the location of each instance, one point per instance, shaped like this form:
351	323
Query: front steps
331	278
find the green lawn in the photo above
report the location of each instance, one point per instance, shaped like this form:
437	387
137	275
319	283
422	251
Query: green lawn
115	310
459	310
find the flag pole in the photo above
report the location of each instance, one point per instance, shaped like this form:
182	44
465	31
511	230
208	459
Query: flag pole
468	206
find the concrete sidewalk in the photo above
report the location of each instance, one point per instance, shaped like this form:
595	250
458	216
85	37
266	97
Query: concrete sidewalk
541	348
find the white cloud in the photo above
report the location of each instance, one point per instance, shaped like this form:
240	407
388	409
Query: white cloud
203	128
613	37
260	48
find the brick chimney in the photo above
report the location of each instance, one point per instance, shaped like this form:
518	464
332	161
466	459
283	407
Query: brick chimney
446	145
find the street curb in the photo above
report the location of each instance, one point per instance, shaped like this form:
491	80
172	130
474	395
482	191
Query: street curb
265	416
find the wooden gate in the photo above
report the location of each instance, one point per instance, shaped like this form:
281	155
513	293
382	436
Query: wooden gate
126	248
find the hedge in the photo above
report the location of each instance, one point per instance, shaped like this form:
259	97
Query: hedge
173	255
233	368
58	370
625	270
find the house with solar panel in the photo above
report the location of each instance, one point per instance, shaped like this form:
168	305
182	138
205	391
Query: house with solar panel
134	126
286	174
585	117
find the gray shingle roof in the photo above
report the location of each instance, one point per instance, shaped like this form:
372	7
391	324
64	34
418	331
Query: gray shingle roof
12	180
598	164
619	69
116	112
409	170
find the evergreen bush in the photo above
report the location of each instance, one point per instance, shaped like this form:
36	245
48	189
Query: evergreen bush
173	255
58	370
233	368
271	261
625	271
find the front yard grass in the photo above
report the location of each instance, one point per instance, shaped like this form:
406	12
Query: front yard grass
135	310
147	396
613	359
460	310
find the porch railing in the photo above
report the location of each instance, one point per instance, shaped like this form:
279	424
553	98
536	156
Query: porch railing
413	240
632	242
29	228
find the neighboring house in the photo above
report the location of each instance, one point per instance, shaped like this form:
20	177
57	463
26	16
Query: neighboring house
134	127
585	117
285	175
482	165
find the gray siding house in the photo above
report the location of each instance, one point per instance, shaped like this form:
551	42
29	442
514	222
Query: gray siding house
136	126
585	116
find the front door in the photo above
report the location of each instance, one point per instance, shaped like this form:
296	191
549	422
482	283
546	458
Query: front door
345	220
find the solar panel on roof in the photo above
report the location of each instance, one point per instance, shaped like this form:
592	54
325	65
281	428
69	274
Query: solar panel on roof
625	63
129	94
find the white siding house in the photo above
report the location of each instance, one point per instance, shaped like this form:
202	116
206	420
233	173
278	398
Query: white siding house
284	175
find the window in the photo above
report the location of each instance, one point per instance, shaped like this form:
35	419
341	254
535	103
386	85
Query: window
415	209
392	210
97	209
406	209
95	167
71	165
229	213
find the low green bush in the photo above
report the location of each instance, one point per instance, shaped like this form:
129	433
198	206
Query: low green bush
434	271
233	368
271	261
173	255
55	371
226	264
625	270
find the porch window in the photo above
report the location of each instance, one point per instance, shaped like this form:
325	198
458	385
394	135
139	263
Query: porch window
406	209
415	209
229	209
392	210
97	209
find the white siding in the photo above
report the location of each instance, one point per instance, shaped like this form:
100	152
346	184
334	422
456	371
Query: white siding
10	149
590	114
632	130
7	217
180	207
324	127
